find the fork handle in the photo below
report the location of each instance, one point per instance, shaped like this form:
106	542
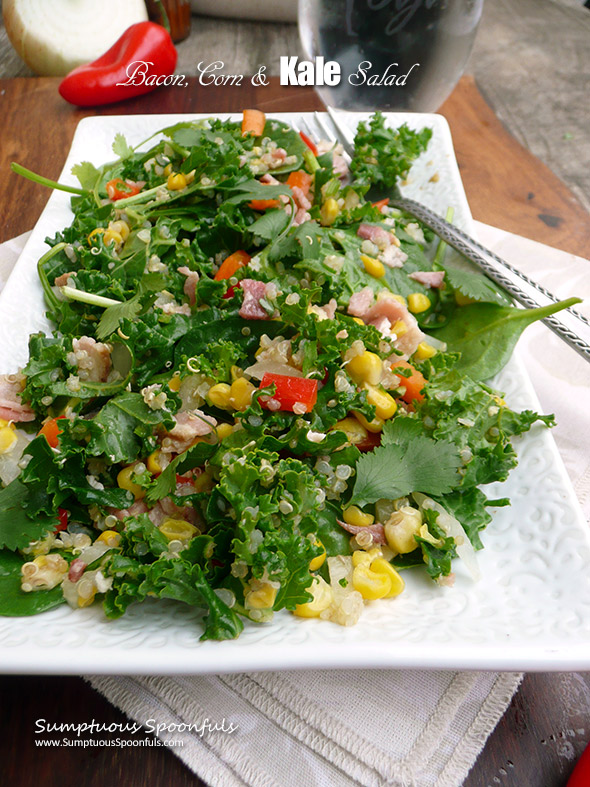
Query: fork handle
490	262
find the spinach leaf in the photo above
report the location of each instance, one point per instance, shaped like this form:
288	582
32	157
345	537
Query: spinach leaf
13	601
485	334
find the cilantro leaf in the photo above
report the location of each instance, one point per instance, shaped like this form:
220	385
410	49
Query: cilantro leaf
87	174
121	147
390	472
475	286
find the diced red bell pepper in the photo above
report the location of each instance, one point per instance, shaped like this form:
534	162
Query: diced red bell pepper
291	391
62	515
581	774
309	142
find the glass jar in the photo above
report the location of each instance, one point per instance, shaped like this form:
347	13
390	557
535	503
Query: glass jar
179	16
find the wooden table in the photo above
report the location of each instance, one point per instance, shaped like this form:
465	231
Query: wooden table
548	722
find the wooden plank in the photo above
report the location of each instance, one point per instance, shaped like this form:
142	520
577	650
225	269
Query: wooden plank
506	185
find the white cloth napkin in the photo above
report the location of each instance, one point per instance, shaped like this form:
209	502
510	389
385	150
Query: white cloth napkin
369	728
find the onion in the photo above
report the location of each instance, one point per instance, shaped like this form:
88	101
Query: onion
55	37
454	528
258	370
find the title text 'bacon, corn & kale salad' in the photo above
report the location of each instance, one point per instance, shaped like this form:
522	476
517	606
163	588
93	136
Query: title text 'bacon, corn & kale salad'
263	391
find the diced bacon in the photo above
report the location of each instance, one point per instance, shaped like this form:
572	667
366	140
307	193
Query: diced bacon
329	308
190	285
76	569
93	359
383	325
377	531
388	306
300	198
136	509
11	406
269	180
62	280
279	154
301	217
393	256
360	302
376	235
253	291
190	425
339	165
433	279
167	509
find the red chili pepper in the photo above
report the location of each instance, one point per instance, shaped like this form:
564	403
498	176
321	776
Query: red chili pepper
119	189
137	63
309	142
62	515
581	774
291	391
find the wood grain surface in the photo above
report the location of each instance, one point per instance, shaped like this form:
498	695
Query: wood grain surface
548	723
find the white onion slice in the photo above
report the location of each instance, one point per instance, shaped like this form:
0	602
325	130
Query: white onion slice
259	369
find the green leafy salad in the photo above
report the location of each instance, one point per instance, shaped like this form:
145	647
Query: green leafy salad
263	391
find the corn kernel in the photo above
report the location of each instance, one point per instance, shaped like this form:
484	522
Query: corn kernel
382	566
400	328
329	212
397	297
168	169
365	368
110	537
153	463
370	584
224	430
373	267
401	528
354	431
177	529
318	562
424	351
354	516
219	395
241	393
374	426
203	482
7	439
86	601
384	404
95	233
124	480
418	302
323	596
174	383
358	320
261	596
176	181
111	236
121	227
359	556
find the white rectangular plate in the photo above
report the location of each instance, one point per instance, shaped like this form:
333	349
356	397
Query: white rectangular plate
529	611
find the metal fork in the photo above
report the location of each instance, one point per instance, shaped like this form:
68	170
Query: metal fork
494	267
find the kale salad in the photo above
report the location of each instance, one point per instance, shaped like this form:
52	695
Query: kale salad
264	390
